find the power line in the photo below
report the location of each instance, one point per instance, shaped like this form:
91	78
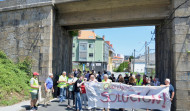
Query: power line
147	43
166	23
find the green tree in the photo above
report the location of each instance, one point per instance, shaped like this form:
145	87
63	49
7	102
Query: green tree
122	67
131	57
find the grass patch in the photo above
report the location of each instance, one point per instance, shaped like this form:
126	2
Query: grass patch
14	80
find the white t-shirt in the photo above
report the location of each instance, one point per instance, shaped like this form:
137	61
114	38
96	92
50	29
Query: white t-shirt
70	80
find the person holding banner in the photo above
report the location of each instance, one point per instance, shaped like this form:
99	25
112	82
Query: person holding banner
92	78
121	80
106	80
171	89
132	81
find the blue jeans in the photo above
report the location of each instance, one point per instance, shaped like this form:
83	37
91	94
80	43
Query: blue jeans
78	101
62	94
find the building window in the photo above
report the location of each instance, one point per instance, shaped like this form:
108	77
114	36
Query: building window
83	46
90	54
90	45
73	45
73	54
82	56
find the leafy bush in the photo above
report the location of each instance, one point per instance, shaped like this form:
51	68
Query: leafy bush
14	80
122	67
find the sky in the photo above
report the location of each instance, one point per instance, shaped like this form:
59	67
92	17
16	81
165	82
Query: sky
126	39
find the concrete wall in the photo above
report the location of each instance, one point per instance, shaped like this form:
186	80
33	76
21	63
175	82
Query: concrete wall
16	3
172	57
181	46
34	33
28	33
62	51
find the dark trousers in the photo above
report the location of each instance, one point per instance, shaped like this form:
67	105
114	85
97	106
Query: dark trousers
71	95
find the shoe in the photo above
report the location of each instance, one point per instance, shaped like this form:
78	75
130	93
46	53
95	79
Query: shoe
32	109
68	106
45	105
36	108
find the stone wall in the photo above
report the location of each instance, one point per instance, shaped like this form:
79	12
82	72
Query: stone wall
172	52
26	33
62	51
181	46
13	3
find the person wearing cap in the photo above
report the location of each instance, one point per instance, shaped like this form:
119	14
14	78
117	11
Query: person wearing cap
34	87
139	81
49	89
62	84
171	89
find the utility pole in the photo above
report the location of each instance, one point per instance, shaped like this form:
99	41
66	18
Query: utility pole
148	55
145	57
134	62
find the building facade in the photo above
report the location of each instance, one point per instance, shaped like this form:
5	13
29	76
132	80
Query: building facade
91	51
117	60
111	55
141	66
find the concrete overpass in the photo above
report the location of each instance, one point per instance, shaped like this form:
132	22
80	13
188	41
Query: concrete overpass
39	29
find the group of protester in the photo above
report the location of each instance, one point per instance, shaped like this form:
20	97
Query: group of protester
72	86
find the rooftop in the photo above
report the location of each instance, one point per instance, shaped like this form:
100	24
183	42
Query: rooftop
86	34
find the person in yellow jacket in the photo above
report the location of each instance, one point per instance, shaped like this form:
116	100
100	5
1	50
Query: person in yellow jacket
62	84
139	80
106	80
34	87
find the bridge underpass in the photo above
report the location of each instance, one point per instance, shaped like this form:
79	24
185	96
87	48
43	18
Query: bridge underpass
40	29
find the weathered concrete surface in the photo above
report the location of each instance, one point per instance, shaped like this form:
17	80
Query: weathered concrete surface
27	33
39	29
9	5
76	15
172	57
181	43
62	51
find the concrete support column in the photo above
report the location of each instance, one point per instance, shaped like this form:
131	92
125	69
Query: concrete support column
181	48
62	51
172	53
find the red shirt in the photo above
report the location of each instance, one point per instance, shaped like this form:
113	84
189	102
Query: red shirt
144	81
83	90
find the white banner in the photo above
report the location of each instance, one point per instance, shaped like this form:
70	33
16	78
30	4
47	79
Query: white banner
117	95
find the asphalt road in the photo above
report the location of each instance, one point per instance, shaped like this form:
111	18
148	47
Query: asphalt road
56	106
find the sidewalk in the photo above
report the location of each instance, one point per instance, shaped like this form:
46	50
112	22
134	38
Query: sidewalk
22	106
16	107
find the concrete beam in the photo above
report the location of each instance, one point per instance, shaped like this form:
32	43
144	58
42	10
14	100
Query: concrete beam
67	6
114	24
121	14
11	5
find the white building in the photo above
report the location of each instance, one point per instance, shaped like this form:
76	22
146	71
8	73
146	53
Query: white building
139	65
